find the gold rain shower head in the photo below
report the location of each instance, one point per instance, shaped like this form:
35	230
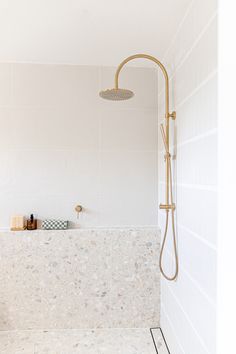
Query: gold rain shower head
116	94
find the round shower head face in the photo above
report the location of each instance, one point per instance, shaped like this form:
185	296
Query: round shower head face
116	94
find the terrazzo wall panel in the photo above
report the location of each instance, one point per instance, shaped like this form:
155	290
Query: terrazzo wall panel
90	278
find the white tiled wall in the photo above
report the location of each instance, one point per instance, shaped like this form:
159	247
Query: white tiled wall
188	315
62	145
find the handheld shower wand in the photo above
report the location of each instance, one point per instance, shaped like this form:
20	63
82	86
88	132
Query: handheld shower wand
118	94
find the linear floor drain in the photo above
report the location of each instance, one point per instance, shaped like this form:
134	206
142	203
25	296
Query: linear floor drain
159	341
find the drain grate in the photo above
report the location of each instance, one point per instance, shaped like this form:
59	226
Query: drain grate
159	341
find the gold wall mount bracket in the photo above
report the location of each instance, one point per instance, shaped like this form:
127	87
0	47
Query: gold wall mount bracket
172	115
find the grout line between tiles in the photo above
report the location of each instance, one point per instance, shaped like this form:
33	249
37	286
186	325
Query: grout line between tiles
204	187
195	283
189	8
71	329
195	43
199	238
209	133
210	77
187	318
172	328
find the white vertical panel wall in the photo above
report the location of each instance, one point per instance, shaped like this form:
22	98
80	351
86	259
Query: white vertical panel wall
188	314
62	145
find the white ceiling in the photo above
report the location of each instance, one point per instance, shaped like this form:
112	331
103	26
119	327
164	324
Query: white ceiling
86	32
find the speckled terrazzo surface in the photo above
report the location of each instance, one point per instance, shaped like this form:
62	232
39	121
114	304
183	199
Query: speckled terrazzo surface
100	278
100	341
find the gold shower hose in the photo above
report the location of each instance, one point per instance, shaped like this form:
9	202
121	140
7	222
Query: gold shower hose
170	278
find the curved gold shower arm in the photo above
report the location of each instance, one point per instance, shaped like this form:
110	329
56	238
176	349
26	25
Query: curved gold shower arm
163	69
167	113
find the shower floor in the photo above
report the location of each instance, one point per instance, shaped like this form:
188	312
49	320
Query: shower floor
98	341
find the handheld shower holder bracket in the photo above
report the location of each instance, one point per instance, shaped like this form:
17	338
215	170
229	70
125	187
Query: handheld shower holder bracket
167	156
167	206
172	115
